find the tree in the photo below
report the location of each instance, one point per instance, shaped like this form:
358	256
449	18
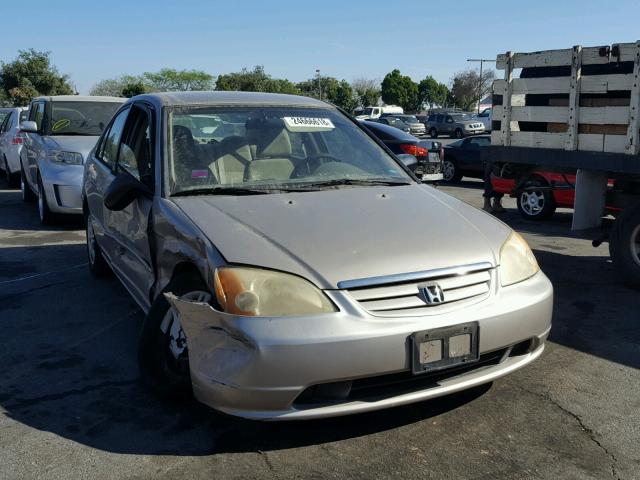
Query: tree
256	80
468	88
335	91
398	89
432	92
169	79
113	87
133	89
367	91
32	74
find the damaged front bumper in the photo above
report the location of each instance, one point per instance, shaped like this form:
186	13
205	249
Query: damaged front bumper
261	367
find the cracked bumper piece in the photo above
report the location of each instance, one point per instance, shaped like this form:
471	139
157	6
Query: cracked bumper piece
264	368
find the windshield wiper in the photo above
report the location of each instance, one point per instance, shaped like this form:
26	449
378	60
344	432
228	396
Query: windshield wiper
221	191
345	181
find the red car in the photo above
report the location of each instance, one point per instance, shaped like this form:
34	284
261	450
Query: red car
541	204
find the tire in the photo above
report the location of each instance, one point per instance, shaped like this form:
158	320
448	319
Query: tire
162	352
98	266
458	133
47	217
9	177
538	204
624	245
27	195
433	133
450	172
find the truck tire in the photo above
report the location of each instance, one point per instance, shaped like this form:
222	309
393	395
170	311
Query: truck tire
624	245
27	195
433	133
458	133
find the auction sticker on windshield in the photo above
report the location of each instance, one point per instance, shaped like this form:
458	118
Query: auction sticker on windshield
308	124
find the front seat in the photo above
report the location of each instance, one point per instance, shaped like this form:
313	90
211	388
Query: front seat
271	148
187	163
235	156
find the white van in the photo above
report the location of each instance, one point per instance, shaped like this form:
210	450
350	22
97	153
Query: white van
375	112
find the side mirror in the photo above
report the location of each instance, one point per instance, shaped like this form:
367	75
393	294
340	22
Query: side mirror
29	126
408	160
123	190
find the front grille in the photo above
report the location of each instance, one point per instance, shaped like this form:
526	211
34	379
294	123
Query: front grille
400	297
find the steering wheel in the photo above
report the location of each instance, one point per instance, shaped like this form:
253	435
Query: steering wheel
311	164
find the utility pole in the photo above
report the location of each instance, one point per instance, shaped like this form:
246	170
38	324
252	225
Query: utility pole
319	84
481	60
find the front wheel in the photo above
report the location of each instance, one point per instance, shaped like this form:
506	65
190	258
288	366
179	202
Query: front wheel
25	189
536	204
10	177
47	217
97	264
624	245
458	133
162	350
433	133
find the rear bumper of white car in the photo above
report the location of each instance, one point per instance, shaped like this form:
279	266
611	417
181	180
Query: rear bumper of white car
278	368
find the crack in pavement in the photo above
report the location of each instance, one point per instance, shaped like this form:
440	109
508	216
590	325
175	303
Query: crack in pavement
589	431
267	460
20	403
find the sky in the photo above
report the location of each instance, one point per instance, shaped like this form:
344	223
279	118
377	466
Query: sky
92	41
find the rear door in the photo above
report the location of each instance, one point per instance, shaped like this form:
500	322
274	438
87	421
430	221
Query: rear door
471	160
128	228
5	130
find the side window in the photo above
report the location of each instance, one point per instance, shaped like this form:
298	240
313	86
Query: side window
432	118
5	124
36	113
108	151
449	119
135	149
440	118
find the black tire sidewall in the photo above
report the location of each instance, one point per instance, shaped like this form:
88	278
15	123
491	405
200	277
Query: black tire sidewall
27	195
433	133
620	243
47	215
152	342
99	267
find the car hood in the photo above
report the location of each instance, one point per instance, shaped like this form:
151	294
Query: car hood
345	234
80	144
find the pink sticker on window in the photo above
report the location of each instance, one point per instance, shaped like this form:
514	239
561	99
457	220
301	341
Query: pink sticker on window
199	173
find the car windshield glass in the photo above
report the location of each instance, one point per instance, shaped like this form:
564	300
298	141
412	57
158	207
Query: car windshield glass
81	118
461	117
3	115
367	111
409	119
272	149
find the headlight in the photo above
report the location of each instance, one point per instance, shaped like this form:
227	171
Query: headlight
517	262
70	158
264	293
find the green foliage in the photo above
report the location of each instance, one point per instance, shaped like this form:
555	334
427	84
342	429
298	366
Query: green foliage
170	79
133	89
468	88
113	87
398	89
432	92
338	92
256	80
367	91
32	74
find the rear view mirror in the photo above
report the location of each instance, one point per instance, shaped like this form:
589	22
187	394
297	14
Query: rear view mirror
123	190
29	126
409	161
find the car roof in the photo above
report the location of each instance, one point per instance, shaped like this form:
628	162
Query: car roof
170	99
79	98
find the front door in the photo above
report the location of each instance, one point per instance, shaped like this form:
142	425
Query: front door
128	227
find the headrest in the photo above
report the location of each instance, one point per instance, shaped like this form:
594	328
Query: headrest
269	136
182	137
237	146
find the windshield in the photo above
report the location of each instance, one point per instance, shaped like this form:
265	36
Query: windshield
461	117
409	119
367	111
81	118
272	149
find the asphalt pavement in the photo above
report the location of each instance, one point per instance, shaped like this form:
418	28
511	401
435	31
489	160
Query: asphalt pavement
71	405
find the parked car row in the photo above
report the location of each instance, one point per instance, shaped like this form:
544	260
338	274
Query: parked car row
289	265
11	140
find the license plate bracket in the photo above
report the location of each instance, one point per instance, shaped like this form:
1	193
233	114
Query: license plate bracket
445	347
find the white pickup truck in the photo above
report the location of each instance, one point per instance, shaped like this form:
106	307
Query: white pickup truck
375	112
